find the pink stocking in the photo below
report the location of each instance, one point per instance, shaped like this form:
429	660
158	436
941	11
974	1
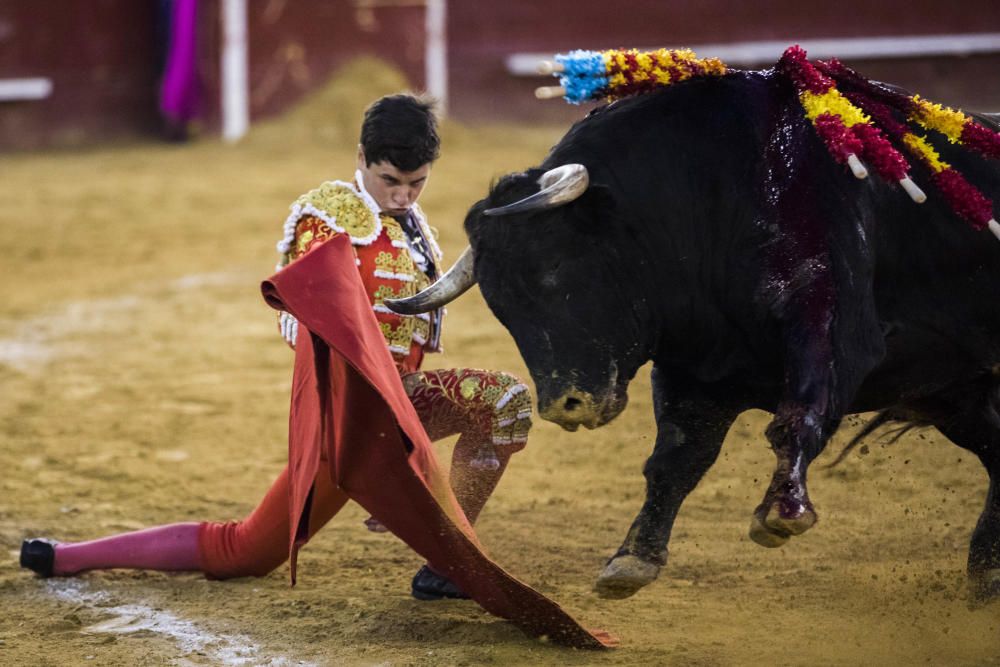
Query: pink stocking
168	548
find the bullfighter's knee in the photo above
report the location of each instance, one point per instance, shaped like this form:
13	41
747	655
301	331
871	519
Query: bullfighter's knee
497	417
511	418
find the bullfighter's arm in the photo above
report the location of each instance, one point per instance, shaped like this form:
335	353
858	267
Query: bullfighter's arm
310	231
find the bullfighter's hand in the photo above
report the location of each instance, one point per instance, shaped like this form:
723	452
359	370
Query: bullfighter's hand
289	328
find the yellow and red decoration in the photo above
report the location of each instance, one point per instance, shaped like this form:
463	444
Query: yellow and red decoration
845	129
894	112
593	75
855	118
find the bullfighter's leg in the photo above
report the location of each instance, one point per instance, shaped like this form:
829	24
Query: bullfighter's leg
979	433
491	412
688	439
254	546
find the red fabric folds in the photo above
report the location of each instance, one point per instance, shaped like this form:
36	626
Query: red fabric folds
347	398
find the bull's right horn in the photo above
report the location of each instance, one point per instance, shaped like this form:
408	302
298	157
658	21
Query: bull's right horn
559	186
443	291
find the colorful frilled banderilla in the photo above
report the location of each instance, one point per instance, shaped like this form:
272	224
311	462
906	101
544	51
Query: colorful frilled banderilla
860	121
592	75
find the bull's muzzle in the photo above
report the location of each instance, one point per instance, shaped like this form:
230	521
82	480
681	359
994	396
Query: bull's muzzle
574	408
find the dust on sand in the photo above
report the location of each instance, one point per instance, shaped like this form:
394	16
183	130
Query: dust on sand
143	382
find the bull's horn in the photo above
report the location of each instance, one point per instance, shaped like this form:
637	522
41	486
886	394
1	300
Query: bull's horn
559	186
443	291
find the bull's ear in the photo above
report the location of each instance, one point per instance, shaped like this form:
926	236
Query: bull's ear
594	209
474	219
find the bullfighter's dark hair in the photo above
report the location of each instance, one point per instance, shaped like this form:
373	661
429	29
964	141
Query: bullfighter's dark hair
402	130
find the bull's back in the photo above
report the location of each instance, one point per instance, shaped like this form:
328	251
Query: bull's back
686	166
937	286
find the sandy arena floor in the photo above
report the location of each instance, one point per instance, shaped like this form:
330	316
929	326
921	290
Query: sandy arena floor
143	382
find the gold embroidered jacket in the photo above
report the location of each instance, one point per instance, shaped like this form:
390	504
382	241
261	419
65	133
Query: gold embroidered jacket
383	255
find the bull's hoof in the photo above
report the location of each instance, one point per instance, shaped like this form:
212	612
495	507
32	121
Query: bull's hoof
774	529
764	536
623	576
791	522
984	588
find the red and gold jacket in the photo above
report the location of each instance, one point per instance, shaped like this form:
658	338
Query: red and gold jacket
384	257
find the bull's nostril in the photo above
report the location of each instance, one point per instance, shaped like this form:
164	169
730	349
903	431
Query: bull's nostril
572	404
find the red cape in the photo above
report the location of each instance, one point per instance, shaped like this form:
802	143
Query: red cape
347	398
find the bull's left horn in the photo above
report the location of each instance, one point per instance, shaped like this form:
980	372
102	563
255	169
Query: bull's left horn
559	186
443	291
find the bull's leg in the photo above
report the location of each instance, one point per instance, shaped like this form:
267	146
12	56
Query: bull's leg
689	437
797	434
820	272
831	341
980	434
826	358
803	423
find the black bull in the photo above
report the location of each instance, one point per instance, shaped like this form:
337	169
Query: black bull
718	239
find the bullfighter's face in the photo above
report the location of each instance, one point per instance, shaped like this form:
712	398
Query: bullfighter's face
395	191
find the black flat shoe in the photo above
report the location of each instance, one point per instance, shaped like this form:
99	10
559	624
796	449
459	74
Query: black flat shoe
39	556
429	585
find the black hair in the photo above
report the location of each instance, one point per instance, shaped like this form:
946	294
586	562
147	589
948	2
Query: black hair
402	130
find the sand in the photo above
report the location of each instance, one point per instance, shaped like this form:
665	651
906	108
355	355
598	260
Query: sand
143	382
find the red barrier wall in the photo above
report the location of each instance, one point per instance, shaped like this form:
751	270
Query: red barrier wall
101	60
101	54
481	35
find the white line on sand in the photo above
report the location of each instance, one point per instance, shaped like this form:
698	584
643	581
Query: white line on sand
191	640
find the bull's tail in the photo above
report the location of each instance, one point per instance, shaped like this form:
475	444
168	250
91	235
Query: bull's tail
906	424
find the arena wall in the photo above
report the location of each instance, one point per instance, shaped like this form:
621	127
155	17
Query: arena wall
483	35
103	57
100	59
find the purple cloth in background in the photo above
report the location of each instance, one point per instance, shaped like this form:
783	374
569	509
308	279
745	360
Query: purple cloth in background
180	92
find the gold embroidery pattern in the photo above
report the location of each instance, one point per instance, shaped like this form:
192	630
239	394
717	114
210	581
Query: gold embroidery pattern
421	330
384	292
469	387
399	264
302	243
501	396
394	230
453	400
309	231
347	210
399	337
